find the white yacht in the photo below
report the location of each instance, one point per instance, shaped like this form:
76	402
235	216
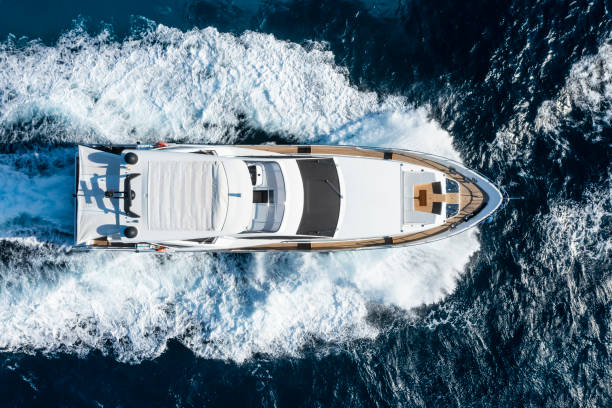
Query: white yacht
177	197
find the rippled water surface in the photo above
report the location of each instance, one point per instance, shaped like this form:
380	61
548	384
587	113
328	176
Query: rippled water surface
516	313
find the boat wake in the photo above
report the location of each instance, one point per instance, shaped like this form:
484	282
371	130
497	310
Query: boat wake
35	195
201	87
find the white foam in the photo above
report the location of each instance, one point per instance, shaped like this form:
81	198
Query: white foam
408	129
408	277
589	88
576	231
169	85
131	305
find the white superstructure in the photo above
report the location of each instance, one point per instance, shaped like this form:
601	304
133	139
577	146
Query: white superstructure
230	198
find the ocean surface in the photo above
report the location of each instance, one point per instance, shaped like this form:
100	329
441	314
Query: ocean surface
515	313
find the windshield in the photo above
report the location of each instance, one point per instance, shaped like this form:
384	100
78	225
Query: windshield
321	197
268	196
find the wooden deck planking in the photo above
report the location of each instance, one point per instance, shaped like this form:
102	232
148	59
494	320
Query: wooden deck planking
431	197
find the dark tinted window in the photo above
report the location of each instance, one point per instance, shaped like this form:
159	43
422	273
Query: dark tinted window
321	197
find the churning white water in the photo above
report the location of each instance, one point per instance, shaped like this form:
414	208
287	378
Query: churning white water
196	86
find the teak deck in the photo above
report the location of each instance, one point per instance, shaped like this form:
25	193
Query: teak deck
425	197
471	197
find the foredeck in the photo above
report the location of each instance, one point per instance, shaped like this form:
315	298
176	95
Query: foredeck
471	197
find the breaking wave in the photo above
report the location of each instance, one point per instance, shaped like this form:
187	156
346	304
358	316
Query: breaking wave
579	231
191	86
588	88
197	86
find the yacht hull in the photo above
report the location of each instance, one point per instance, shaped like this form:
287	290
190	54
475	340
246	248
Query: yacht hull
475	200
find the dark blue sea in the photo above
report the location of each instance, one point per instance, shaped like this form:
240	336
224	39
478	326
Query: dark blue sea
517	313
